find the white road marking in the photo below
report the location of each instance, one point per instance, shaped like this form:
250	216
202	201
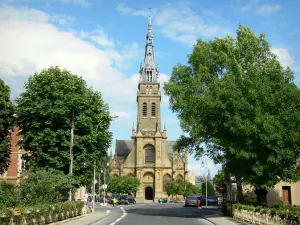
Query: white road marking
117	220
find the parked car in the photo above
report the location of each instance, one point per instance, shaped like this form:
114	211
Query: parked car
163	200
107	198
123	200
192	201
212	200
131	199
202	200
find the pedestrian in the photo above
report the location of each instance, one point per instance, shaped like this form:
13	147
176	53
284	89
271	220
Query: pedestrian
114	201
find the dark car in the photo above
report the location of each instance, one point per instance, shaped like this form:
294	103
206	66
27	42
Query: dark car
212	200
192	201
131	199
123	200
202	200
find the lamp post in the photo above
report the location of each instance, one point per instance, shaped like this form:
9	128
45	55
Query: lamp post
183	159
99	187
104	185
94	186
71	149
205	179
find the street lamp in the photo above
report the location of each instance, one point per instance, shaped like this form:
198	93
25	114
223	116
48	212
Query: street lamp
205	179
94	186
184	162
104	185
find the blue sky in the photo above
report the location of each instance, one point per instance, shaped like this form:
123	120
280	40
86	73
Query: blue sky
103	41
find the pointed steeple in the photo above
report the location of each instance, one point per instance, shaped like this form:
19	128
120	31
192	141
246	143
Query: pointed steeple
133	131
149	72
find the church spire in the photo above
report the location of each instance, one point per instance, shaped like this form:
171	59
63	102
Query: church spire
149	72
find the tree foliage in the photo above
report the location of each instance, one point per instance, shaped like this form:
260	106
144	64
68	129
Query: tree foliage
235	99
210	189
45	186
178	187
52	98
8	195
220	180
6	124
123	185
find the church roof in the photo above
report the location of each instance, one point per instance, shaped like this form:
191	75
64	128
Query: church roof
170	145
124	147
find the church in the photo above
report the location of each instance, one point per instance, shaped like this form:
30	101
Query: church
149	155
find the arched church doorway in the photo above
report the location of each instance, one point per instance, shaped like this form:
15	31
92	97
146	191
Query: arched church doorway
148	193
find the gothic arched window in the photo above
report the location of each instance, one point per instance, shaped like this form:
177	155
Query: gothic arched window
144	109
149	153
153	109
167	178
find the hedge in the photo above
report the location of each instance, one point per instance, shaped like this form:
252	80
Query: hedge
41	214
287	212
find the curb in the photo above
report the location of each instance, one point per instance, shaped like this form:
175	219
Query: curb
67	220
209	220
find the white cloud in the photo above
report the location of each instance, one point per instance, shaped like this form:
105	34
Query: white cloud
261	9
84	3
186	27
29	43
98	36
268	9
285	58
124	9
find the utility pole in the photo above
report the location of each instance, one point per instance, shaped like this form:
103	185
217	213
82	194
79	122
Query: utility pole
71	150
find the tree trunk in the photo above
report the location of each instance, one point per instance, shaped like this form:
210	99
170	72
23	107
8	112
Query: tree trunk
261	196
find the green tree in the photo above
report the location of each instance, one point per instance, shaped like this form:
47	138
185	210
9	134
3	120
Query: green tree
179	187
210	189
53	102
170	187
192	189
45	186
6	124
123	185
237	101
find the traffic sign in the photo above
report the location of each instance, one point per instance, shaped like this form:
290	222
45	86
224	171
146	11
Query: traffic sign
221	188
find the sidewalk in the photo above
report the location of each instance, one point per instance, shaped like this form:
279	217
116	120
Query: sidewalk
215	216
222	220
86	219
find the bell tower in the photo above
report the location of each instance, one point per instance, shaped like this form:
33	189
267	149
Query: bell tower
148	96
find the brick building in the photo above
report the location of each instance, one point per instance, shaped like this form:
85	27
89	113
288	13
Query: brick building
16	162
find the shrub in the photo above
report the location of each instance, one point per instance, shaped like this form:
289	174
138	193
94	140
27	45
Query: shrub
288	212
45	210
44	186
8	195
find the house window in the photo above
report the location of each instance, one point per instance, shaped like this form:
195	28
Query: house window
153	109
144	109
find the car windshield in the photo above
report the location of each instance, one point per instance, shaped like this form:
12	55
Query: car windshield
212	197
191	198
129	197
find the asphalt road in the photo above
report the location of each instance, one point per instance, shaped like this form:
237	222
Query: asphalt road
157	214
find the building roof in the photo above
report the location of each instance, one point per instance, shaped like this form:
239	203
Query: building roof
124	147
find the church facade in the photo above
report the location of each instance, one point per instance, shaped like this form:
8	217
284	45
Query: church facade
149	155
